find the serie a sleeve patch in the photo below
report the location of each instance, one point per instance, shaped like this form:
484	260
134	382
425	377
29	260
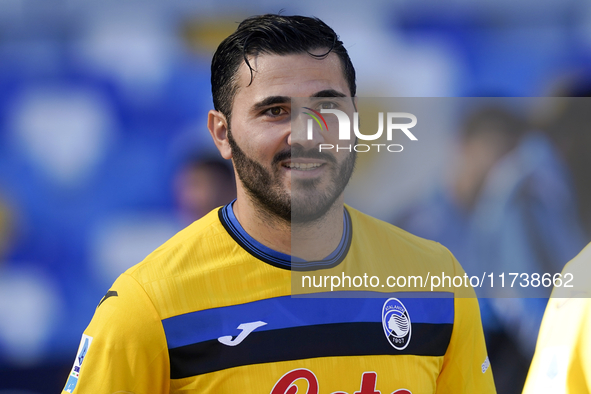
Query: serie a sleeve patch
75	373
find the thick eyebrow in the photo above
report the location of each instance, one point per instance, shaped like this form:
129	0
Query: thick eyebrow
333	93
329	93
271	100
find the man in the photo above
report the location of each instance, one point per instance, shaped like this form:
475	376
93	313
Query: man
562	362
210	311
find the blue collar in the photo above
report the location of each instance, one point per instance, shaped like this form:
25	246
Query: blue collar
282	260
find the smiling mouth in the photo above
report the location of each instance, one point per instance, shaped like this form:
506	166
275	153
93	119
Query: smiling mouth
303	166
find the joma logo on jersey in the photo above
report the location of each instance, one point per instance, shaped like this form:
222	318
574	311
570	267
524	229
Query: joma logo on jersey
246	328
345	130
287	383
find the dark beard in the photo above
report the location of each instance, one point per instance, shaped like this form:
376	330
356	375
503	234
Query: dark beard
266	190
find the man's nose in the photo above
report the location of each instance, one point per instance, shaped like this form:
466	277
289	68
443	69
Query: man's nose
306	131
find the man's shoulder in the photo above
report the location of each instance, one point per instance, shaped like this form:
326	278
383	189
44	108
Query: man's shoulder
388	250
581	261
574	276
378	230
201	239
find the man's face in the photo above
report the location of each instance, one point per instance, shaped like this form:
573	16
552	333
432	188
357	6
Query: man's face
279	168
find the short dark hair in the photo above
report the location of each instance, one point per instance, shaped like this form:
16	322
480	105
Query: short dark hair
271	34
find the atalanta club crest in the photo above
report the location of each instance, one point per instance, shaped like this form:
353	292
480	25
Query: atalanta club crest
396	322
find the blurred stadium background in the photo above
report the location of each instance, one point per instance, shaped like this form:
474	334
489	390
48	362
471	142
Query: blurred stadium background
104	151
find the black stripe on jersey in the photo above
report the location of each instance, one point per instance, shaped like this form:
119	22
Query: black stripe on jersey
327	340
335	260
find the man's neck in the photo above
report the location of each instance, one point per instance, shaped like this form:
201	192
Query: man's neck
309	241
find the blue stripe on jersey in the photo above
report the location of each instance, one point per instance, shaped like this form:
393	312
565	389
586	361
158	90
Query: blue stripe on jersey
288	312
279	259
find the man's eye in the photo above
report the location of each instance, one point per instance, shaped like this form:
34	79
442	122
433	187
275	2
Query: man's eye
327	105
275	111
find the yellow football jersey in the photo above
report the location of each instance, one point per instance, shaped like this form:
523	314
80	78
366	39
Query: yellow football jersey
562	362
211	311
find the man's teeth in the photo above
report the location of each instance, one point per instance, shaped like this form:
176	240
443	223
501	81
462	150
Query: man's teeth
303	166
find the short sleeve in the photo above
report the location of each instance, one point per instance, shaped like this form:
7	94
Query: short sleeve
466	367
124	347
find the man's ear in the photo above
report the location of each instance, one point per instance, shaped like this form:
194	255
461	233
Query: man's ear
218	128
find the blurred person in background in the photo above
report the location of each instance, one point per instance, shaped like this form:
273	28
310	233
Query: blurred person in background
202	184
569	129
495	213
519	226
562	360
487	135
515	209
